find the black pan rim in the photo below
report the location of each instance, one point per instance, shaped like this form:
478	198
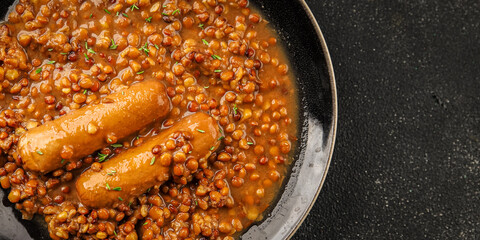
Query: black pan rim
333	129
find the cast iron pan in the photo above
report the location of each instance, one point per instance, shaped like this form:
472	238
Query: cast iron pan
309	58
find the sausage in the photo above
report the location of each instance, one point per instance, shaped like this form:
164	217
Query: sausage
134	171
93	127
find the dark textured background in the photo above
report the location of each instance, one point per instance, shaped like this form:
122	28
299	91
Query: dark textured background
406	161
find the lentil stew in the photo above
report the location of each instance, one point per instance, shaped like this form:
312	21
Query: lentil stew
143	119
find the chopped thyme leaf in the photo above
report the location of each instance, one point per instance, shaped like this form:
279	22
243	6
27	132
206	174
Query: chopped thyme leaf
118	13
206	87
145	223
85	91
141	72
211	148
235	108
164	14
108	186
205	42
39	70
102	157
117	145
86	57
176	11
64	53
117	189
218	70
250	143
148	190
156	46
114	230
50	62
152	161
40	152
109	140
221	138
216	57
133	7
107	11
121	199
148	19
63	160
189	152
91	51
50	49
113	45
145	48
91	15
201	25
125	15
201	131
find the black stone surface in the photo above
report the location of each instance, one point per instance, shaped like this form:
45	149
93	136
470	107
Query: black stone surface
406	162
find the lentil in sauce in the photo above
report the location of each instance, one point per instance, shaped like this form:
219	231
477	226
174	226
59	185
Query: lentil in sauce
144	119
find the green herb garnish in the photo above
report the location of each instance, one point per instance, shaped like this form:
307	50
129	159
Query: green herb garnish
164	14
211	148
156	46
86	57
148	19
218	70
125	15
64	53
107	11
152	161
39	70
102	157
113	45
63	160
40	152
216	57
145	48
235	108
85	91
205	42
50	62
117	189
91	15
117	145
250	143
134	7
141	72
201	131
145	223
201	25
108	186
112	172
176	11
121	199
50	49
221	138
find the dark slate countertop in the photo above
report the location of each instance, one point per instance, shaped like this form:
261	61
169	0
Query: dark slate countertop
406	161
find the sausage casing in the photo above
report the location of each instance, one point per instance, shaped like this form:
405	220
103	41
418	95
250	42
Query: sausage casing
134	171
88	129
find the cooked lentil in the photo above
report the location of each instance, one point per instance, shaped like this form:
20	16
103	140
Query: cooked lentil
214	56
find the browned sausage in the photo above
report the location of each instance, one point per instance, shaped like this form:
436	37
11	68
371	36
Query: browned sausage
90	128
132	172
